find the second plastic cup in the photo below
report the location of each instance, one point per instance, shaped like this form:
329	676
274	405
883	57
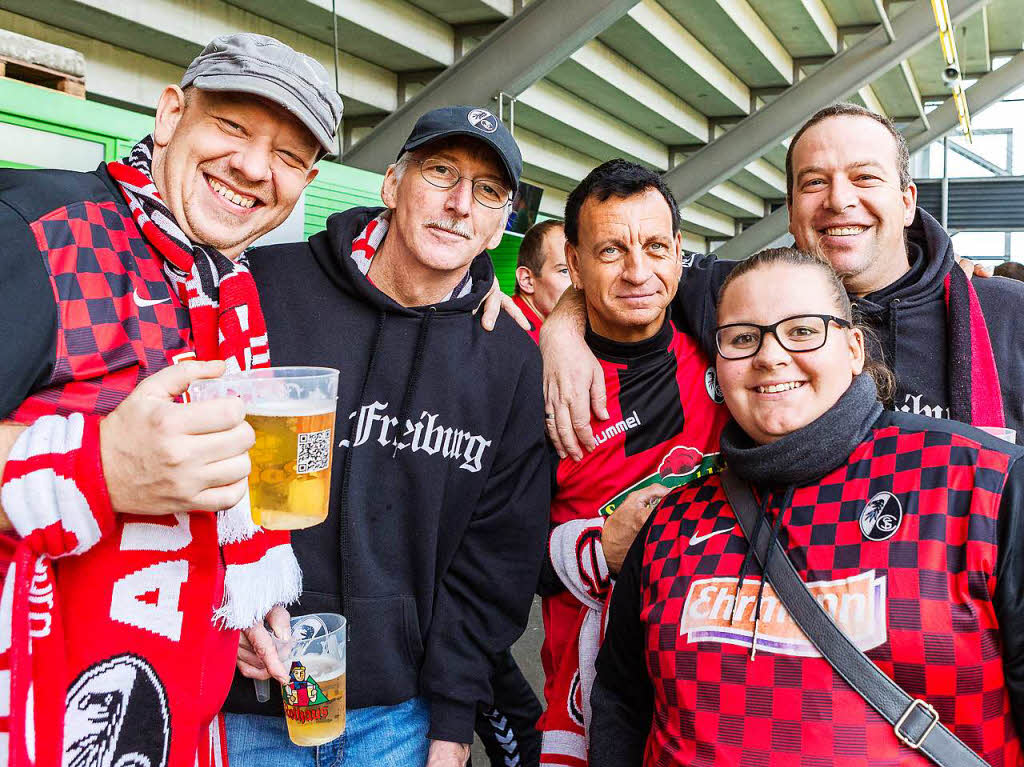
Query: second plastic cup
314	697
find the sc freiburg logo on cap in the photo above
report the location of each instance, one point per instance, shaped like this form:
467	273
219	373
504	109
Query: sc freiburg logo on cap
483	120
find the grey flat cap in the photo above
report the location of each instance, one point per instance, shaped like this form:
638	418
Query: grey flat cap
263	66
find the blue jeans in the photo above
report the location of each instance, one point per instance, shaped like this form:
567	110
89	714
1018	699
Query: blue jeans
380	736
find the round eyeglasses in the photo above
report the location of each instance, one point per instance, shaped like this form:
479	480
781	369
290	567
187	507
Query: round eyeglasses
800	333
442	174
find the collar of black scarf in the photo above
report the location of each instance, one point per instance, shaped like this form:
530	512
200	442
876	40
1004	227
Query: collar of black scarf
811	452
224	309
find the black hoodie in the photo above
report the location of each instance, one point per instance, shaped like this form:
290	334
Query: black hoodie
433	545
908	318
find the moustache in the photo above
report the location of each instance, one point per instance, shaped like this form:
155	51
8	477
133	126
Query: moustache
450	225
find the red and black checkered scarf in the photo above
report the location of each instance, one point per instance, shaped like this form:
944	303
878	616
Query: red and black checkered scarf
54	493
223	307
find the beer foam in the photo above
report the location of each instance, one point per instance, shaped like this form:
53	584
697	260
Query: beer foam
290	408
322	668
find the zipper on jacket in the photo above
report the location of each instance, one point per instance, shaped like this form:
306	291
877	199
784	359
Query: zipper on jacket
346	546
893	333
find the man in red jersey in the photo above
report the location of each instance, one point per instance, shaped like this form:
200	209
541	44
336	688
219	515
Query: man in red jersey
542	274
120	612
625	255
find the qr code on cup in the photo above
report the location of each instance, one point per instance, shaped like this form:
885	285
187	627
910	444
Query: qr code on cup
314	452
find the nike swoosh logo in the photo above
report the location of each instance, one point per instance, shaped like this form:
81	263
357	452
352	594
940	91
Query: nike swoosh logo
695	539
142	302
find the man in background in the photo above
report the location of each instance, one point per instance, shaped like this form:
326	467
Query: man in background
542	274
1010	269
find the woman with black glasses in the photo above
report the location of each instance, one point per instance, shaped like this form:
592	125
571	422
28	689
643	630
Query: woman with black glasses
907	531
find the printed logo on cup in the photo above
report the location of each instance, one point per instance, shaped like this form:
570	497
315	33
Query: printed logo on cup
304	699
881	517
680	466
483	120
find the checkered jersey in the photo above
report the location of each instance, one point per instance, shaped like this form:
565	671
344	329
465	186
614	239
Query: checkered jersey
918	603
117	319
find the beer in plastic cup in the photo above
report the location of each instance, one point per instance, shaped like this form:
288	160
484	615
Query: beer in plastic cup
291	409
314	697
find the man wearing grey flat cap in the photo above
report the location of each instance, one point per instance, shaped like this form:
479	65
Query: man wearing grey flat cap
121	607
440	493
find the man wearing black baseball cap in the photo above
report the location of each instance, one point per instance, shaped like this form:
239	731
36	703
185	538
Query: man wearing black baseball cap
440	490
122	609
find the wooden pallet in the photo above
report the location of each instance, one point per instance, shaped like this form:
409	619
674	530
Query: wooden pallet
12	69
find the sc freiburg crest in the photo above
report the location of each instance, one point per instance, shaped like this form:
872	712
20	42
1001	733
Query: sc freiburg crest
117	716
881	517
483	120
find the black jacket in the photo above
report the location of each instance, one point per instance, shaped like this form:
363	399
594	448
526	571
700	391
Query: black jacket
908	318
433	545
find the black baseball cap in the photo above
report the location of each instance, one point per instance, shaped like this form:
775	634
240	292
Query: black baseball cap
473	122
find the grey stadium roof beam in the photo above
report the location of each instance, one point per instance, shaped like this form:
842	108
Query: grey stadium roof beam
844	74
942	120
511	59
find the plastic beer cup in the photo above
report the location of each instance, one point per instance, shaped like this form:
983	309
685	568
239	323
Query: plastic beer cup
314	697
291	409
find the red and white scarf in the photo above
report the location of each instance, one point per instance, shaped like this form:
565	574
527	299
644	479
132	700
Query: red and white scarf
54	492
975	396
578	560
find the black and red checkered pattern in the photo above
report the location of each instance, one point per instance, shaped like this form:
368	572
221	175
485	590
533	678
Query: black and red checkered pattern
117	319
714	704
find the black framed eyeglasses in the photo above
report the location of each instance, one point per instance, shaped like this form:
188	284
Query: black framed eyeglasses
442	174
800	333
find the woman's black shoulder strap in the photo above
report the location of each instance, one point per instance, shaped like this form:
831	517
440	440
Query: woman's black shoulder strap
914	721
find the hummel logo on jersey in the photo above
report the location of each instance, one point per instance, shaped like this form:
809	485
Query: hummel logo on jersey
619	427
695	539
144	302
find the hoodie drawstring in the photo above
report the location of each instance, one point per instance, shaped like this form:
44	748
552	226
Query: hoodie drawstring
776	526
414	374
786	501
747	557
894	308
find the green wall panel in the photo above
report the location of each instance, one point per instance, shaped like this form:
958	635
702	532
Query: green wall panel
45	109
504	257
